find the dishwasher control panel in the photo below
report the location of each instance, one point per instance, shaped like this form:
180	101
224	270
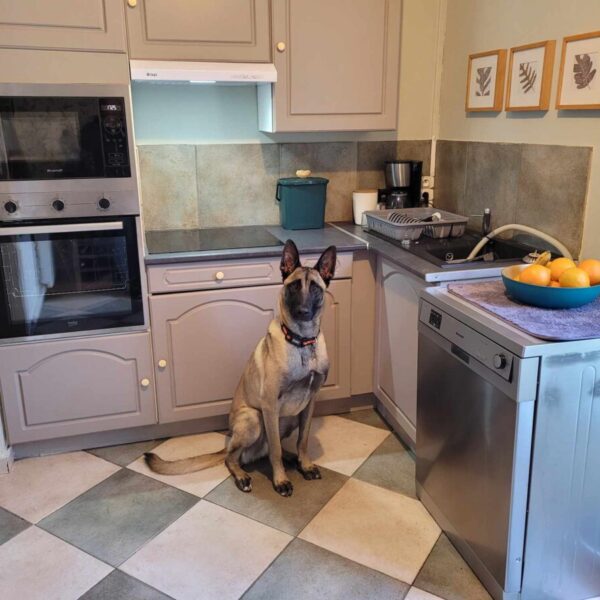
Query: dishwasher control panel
466	343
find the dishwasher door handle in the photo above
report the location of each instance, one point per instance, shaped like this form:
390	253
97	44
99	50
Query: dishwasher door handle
460	353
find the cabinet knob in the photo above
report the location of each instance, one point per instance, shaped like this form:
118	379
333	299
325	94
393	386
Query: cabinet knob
162	363
219	275
145	383
280	46
132	3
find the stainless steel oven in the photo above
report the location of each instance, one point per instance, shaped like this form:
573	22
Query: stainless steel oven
69	276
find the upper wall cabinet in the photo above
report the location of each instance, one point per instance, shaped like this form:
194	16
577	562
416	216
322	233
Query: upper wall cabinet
63	25
337	66
223	30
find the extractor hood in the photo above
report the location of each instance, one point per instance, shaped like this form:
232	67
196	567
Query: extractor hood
168	71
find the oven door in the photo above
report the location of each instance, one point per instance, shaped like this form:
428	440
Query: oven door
58	278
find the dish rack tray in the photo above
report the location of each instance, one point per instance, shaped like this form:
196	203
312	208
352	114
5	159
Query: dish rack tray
408	223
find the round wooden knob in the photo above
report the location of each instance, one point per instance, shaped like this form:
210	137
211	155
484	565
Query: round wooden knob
280	46
132	3
162	363
219	275
145	382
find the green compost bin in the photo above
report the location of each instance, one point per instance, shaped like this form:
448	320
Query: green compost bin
302	202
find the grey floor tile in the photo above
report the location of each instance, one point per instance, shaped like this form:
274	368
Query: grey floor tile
265	505
125	454
368	416
446	574
120	586
115	518
10	525
391	466
306	571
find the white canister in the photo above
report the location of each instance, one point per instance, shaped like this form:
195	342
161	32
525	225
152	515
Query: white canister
363	200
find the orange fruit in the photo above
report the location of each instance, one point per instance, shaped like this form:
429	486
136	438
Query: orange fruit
554	284
535	275
574	278
592	267
517	277
558	265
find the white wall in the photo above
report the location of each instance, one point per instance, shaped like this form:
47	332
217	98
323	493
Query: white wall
479	25
184	114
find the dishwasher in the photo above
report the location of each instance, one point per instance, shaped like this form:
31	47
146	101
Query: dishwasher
508	450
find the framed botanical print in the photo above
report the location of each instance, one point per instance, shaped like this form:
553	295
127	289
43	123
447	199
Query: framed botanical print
485	81
530	76
579	79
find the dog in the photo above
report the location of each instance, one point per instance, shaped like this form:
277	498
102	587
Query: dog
276	393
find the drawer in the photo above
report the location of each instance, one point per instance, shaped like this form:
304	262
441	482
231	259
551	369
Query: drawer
212	275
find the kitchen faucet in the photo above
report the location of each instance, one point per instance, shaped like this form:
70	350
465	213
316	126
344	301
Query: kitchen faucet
486	221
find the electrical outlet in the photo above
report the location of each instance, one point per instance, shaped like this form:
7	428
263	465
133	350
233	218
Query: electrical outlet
427	182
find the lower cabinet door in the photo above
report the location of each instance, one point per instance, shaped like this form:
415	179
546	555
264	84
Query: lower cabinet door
70	387
202	341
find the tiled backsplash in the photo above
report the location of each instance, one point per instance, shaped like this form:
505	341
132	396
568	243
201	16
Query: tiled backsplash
541	186
185	186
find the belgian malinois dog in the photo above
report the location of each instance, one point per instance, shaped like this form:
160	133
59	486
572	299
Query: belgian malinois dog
277	391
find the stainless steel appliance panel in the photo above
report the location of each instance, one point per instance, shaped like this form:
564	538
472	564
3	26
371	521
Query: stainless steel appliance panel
397	174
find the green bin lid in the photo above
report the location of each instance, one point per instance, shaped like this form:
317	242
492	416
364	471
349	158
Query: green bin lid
302	180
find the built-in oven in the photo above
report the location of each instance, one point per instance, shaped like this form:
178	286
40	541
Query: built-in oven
68	276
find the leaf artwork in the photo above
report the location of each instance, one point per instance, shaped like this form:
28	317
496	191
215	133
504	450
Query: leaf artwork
583	71
483	80
527	76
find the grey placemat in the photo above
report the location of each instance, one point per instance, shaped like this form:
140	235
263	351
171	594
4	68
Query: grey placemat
546	323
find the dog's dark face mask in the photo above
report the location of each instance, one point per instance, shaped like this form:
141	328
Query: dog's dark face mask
304	292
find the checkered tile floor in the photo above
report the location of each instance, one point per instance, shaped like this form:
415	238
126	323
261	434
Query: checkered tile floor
99	525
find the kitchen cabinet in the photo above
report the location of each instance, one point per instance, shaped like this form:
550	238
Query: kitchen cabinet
202	341
63	25
337	66
70	387
227	30
397	316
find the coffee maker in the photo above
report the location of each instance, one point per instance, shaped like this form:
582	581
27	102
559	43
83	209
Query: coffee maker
403	184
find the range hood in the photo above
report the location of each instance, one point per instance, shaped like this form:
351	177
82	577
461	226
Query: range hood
170	71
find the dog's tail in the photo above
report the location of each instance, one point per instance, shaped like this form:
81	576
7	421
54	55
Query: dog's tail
184	465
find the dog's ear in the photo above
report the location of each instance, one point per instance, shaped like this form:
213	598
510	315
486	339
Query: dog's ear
326	264
290	259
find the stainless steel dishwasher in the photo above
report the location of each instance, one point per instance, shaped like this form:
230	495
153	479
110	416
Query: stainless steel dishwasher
508	450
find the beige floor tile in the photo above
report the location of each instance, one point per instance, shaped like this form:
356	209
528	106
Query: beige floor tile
340	444
210	552
198	483
35	565
417	594
37	487
376	527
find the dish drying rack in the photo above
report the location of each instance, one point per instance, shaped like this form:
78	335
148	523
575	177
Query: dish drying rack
410	223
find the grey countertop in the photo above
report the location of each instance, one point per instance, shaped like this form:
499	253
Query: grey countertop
174	246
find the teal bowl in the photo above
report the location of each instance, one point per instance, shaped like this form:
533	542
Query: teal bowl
546	297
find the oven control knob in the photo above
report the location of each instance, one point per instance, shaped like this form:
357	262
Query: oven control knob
104	203
10	207
499	361
58	205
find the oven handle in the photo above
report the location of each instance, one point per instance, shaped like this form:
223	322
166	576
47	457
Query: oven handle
49	229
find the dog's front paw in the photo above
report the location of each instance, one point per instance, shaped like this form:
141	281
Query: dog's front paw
309	472
285	488
244	483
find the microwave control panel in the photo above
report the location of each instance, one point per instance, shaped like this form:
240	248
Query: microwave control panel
114	137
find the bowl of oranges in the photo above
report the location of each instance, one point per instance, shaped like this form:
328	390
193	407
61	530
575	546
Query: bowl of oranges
558	283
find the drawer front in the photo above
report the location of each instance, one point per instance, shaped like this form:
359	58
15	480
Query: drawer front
228	274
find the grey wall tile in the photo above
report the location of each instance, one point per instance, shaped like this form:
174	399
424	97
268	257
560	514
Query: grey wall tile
552	191
492	173
371	157
334	160
168	182
236	184
450	174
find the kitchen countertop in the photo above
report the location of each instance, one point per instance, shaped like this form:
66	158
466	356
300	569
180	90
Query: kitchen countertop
192	245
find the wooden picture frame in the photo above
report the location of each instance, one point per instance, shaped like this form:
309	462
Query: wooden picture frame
579	75
485	81
530	76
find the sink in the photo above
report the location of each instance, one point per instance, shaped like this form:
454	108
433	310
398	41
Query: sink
440	251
